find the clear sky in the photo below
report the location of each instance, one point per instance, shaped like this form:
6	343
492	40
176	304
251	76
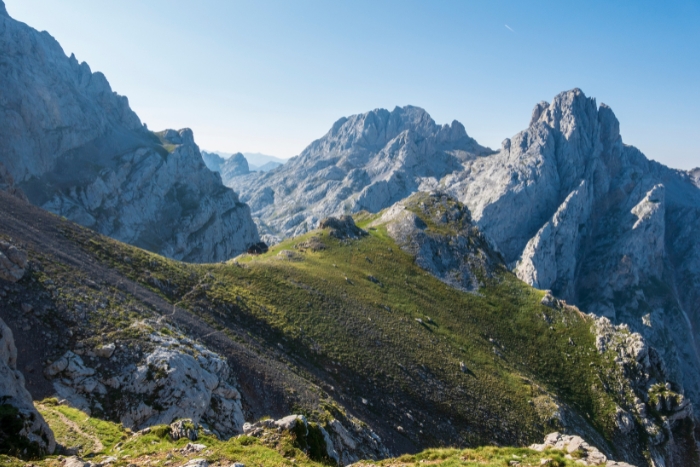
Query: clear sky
272	76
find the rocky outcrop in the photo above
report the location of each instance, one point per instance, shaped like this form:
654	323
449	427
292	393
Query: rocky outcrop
13	262
649	402
367	161
574	445
234	166
23	431
342	228
74	147
343	444
439	233
174	378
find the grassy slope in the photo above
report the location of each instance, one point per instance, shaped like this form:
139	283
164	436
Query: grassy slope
360	341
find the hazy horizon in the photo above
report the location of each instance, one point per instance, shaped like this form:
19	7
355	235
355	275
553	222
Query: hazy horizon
271	77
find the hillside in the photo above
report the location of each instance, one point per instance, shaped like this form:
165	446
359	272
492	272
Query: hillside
351	330
568	204
77	149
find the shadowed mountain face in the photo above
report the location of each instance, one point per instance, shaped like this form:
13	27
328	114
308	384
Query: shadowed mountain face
77	149
367	161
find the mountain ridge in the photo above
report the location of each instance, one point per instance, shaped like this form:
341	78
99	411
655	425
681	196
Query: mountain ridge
75	147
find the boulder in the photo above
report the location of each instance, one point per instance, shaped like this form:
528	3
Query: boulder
13	262
342	228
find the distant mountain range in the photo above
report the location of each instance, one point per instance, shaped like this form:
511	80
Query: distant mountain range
256	162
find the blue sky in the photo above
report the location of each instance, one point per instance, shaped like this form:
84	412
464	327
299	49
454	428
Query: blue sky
271	76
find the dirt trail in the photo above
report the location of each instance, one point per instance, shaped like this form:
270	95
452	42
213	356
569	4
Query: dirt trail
97	445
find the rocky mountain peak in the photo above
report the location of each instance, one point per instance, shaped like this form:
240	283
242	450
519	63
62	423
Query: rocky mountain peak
3	10
366	161
234	166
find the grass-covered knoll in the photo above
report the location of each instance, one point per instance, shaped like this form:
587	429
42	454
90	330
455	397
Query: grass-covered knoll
387	341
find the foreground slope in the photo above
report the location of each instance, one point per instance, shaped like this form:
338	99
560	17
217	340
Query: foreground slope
77	149
107	443
351	330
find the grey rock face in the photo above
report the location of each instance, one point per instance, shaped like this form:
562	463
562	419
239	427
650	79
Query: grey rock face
13	393
367	161
176	378
76	148
439	233
587	454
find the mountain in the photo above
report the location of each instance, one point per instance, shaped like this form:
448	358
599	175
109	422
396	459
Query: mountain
367	161
569	206
575	210
234	166
74	147
372	332
216	163
272	165
259	160
213	161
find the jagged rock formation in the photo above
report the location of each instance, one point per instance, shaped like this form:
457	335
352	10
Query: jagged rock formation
438	231
574	210
342	445
367	161
23	430
234	166
171	377
76	148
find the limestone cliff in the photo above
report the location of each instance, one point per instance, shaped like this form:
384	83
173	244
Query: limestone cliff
76	148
